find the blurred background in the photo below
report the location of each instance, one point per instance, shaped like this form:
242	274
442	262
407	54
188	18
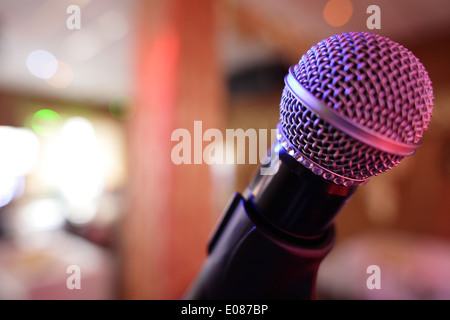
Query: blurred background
87	109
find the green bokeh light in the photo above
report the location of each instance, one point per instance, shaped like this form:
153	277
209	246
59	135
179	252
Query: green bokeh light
46	122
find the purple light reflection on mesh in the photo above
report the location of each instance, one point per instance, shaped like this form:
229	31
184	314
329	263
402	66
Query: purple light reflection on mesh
368	80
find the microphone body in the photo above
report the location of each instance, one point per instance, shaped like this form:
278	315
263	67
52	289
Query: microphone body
270	242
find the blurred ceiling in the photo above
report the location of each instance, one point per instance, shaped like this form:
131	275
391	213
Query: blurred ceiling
98	53
250	32
400	19
290	27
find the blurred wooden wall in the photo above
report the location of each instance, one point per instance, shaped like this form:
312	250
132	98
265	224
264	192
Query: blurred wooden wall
178	80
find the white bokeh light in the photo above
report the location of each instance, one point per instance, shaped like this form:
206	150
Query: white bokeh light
10	188
39	215
42	64
19	150
79	169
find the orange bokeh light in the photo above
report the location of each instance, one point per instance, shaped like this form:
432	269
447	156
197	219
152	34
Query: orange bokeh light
338	12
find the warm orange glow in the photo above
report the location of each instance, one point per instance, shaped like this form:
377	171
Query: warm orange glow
62	77
338	12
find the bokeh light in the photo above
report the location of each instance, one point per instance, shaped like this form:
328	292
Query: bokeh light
338	12
62	77
19	150
41	214
42	64
10	188
46	122
79	168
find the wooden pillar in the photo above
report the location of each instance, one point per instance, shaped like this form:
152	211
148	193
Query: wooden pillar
168	214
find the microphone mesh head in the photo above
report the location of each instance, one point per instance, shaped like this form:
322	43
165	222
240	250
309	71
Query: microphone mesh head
368	80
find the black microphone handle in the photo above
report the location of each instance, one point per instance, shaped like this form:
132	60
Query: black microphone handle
271	241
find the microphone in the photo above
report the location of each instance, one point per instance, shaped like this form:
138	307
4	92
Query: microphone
353	107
